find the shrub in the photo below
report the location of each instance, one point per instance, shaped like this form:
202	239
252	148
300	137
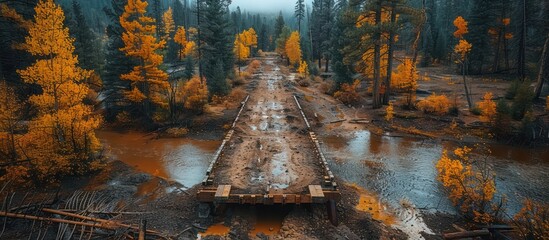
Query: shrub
245	75
502	120
195	94
237	95
253	66
389	112
326	87
522	101
470	187
437	104
513	89
487	108
533	220
348	93
303	82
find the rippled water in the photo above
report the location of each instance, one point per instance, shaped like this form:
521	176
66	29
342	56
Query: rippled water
404	168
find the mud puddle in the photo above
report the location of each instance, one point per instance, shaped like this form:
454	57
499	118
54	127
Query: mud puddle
265	220
180	159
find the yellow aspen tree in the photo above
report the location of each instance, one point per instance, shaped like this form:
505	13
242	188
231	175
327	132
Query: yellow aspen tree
195	94
389	112
181	39
487	108
191	49
148	81
462	49
471	189
293	48
303	69
169	24
10	117
251	39
405	80
241	48
61	138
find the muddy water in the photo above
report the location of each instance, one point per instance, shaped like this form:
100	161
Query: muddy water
180	159
403	169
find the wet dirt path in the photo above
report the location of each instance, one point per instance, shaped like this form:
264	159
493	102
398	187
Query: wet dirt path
270	148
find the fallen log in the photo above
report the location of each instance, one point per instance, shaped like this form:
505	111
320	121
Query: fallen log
338	121
467	234
109	222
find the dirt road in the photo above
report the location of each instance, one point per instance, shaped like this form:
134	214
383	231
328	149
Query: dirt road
270	147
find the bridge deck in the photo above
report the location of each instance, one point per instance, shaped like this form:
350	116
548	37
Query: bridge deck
270	155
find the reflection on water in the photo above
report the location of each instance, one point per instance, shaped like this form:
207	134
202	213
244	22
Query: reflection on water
370	203
182	160
218	229
398	168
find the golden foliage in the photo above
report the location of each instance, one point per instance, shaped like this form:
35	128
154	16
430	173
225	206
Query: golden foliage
547	103
405	80
243	44
348	93
461	27
487	108
389	112
470	189
169	24
533	220
195	94
148	81
303	69
61	139
241	51
463	48
186	47
293	48
437	104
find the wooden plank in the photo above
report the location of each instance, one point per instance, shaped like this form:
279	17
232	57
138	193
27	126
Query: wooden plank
223	192
316	191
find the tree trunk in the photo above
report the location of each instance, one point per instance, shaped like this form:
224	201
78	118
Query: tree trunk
522	45
467	94
387	94
199	40
377	56
496	58
541	72
326	64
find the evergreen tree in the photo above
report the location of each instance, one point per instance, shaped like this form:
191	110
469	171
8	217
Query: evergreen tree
343	25
116	63
189	68
178	14
217	46
279	24
299	13
482	16
84	39
327	20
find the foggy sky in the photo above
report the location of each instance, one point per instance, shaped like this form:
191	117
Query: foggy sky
266	6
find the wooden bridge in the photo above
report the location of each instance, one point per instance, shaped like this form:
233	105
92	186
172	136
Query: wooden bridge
325	192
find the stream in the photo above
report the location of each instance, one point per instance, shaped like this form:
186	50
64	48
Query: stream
394	171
